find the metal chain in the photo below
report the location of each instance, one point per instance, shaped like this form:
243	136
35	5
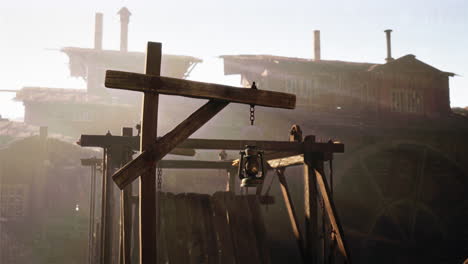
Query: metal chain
159	178
252	107
252	114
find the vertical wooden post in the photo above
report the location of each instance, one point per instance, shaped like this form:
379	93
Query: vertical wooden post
109	219
112	206
126	207
103	209
92	207
231	184
149	126
310	203
291	212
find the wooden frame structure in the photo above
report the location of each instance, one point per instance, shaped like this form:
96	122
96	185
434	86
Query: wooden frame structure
95	164
153	149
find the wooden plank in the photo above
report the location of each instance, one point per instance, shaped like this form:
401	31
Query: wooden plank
259	228
247	222
183	229
173	86
209	231
173	251
286	162
221	226
162	234
240	224
291	212
332	215
197	254
287	148
102	141
310	206
229	144
149	129
284	148
145	161
234	226
194	164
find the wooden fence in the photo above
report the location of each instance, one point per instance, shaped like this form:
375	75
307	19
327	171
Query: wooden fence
222	228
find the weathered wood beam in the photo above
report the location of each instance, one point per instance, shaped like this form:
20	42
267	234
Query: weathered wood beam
173	86
286	162
291	212
310	205
149	129
228	144
194	164
163	146
103	141
332	215
282	148
126	209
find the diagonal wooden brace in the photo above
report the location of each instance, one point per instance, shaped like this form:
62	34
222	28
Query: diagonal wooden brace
168	142
332	215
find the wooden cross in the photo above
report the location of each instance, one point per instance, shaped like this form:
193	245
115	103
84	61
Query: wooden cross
153	149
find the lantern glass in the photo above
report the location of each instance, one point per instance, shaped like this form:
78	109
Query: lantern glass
249	167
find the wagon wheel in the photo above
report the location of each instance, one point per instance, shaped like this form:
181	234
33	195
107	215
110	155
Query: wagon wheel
404	191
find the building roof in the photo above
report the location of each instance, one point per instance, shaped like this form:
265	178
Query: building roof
60	95
171	65
11	131
408	63
236	64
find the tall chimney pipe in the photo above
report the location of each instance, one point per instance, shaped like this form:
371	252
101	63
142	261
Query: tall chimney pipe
98	31
124	19
317	45
389	45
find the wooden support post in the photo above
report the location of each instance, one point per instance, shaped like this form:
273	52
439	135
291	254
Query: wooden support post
92	208
149	129
231	183
103	209
126	208
291	212
110	220
310	204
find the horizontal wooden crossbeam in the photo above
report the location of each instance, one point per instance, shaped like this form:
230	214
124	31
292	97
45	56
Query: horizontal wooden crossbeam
171	86
194	164
284	148
103	141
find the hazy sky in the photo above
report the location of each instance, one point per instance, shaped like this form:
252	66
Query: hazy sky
32	32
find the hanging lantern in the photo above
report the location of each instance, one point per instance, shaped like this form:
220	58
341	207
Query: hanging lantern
251	170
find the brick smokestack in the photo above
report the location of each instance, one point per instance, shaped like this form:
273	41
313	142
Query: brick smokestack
124	19
317	45
98	31
388	33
